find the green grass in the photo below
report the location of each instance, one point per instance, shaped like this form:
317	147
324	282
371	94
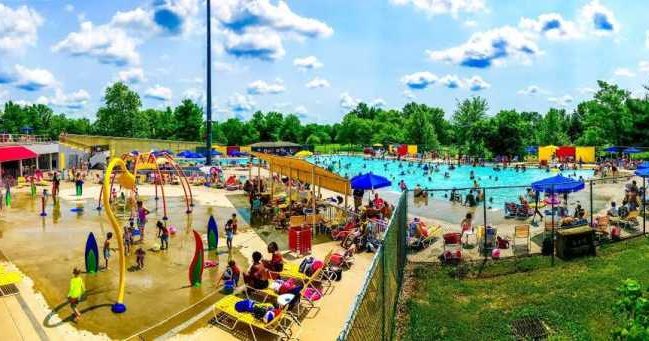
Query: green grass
574	298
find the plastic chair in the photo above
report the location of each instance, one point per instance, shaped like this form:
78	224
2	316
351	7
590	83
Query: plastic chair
523	231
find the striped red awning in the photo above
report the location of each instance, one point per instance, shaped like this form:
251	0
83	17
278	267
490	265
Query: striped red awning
15	153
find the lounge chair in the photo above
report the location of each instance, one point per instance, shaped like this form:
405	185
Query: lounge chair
227	316
602	227
425	237
292	270
452	246
630	221
489	242
522	231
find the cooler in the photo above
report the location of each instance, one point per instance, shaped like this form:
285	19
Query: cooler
299	240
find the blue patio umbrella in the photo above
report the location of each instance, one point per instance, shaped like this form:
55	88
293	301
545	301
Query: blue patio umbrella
188	154
369	181
214	153
558	184
643	165
632	150
644	174
531	150
613	149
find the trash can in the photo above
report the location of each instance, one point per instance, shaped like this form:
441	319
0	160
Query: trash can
299	240
575	242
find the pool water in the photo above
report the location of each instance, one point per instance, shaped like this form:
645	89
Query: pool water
413	173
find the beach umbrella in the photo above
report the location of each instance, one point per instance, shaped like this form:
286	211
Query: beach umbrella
558	184
643	165
159	153
369	181
303	153
187	154
531	150
613	149
214	153
632	150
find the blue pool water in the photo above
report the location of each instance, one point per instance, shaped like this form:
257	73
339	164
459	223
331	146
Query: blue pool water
413	173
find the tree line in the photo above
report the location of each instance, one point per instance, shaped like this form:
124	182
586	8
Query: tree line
611	117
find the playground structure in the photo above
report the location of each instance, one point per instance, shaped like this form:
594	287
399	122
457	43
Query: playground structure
164	169
125	179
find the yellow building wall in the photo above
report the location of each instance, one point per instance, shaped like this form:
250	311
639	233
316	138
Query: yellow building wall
586	154
545	153
245	149
220	149
412	149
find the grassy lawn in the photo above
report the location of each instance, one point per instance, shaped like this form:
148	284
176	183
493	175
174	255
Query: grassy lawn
574	298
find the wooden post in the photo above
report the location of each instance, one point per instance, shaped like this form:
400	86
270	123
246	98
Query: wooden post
313	188
259	176
272	180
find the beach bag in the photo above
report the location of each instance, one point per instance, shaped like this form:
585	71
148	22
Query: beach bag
269	316
336	272
336	259
312	294
615	232
287	287
317	265
244	306
305	264
228	287
259	311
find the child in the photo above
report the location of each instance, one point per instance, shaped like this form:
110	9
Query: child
128	238
234	223
141	218
77	288
79	184
139	257
109	235
229	233
163	234
231	274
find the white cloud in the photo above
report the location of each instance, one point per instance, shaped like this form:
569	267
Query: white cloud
261	43
471	23
32	79
137	22
493	47
256	29
561	101
530	91
69	8
318	82
439	7
476	83
260	87
378	103
240	103
347	101
408	94
307	63
552	26
419	80
159	93
108	44
643	65
73	101
301	110
131	76
451	82
586	90
623	72
195	94
18	28
596	18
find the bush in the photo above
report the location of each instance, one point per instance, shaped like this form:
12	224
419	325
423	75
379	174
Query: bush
633	311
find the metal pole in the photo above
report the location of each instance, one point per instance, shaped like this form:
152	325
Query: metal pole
591	202
208	138
484	216
552	211
644	209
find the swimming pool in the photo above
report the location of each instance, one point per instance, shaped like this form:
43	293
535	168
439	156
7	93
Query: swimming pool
413	173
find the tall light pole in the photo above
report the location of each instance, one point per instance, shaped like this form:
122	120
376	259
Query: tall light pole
208	138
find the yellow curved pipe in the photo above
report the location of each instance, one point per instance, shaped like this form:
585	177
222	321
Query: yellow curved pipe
127	180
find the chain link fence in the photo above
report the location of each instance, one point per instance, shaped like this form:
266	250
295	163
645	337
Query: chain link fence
373	314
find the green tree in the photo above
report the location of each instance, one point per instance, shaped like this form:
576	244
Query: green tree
189	118
119	115
291	129
468	123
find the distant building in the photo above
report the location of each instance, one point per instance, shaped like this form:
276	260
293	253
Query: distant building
281	148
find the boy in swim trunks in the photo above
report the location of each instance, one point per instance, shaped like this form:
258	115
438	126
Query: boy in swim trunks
106	250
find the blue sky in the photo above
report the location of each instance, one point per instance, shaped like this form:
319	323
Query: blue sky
319	58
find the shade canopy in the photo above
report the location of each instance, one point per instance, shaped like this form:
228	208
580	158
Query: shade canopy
369	181
558	184
303	153
613	149
531	150
214	153
158	153
643	165
15	153
237	153
632	150
642	172
188	154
